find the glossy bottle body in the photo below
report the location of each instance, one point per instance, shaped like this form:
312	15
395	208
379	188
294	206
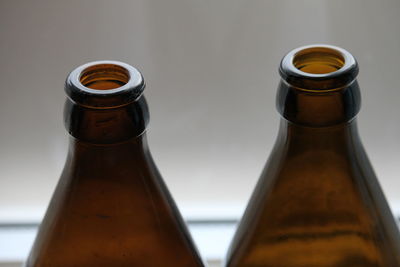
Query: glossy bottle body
111	206
318	201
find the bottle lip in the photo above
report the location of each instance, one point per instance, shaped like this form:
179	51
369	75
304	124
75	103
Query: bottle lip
318	82
105	98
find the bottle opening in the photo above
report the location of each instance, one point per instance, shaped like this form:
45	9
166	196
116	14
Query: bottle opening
318	68
318	60
104	76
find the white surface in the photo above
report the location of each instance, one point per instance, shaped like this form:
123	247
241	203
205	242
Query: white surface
213	240
15	244
211	70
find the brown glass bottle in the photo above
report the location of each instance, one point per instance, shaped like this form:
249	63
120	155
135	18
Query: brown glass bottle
318	202
111	206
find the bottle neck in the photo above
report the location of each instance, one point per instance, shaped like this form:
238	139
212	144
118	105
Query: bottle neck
315	108
106	125
107	157
339	137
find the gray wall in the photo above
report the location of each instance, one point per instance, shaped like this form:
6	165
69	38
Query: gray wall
211	71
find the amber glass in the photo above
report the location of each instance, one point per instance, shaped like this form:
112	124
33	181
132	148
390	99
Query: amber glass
318	202
111	206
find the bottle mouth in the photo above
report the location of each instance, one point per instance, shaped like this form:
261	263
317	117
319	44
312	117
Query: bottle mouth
104	84
318	60
104	76
319	67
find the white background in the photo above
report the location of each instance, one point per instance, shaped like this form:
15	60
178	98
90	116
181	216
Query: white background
211	73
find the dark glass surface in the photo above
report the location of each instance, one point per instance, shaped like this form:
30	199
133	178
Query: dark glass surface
111	206
317	202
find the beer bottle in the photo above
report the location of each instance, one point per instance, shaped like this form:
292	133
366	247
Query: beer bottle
318	202
111	206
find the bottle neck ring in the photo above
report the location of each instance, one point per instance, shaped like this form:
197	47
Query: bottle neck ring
104	84
105	104
318	86
318	68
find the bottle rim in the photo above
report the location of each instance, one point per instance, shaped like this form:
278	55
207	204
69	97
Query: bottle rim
342	66
131	85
